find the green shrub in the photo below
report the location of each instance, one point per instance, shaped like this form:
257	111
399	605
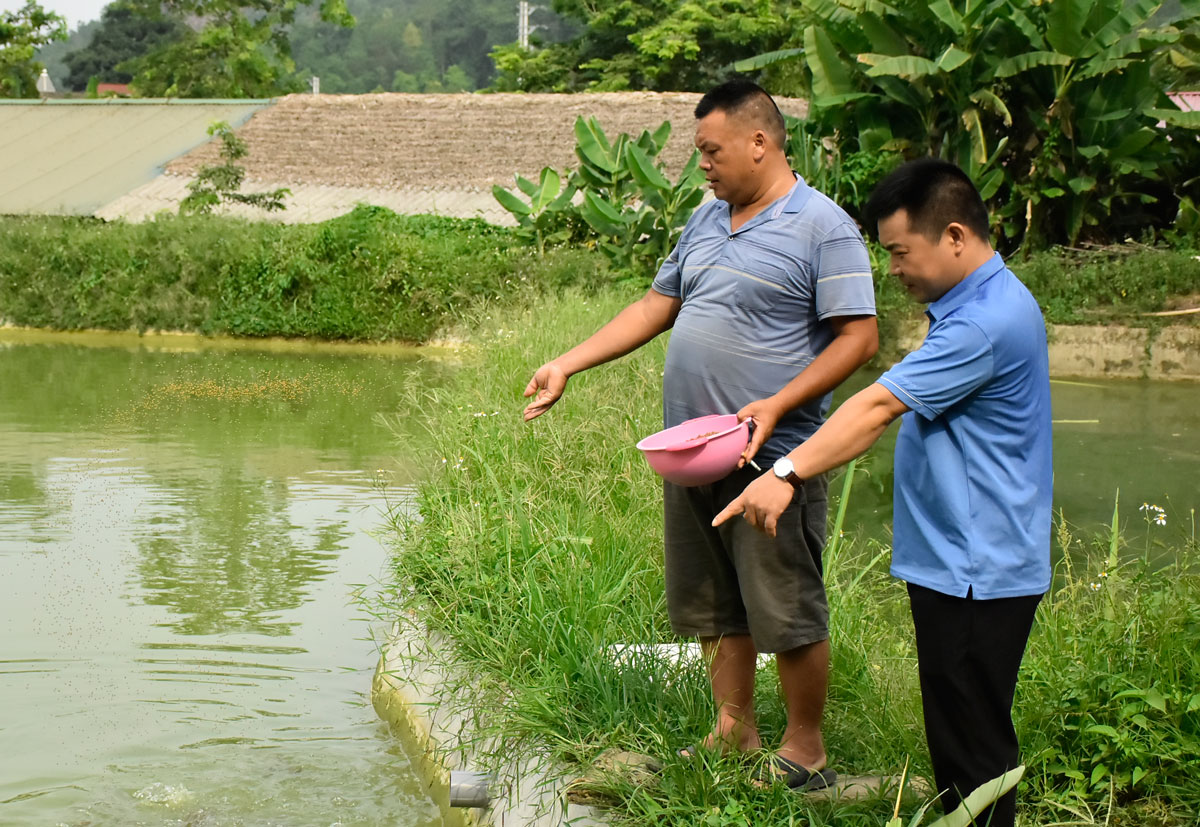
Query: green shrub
370	274
1108	284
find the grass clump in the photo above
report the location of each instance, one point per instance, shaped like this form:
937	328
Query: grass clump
537	548
1110	284
370	274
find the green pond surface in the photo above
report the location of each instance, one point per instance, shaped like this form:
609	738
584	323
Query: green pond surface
1140	438
184	532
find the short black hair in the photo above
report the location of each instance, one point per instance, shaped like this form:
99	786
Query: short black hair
744	97
934	193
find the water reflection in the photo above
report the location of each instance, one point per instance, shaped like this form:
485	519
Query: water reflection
231	561
180	535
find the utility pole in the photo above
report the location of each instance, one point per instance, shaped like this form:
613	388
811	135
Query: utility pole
524	9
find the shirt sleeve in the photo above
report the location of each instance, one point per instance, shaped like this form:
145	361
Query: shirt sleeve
955	361
667	281
844	286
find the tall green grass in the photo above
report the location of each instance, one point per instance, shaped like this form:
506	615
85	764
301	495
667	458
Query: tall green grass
370	274
537	546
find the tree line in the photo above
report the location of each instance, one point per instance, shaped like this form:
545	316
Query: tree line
238	48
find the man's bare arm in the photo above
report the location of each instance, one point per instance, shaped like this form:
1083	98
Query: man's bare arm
856	339
637	324
850	431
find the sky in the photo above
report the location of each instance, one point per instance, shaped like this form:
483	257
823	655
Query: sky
75	11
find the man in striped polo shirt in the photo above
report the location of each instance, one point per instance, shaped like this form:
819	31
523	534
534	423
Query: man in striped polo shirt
771	305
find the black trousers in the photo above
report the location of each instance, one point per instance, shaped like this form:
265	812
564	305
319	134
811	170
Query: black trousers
968	654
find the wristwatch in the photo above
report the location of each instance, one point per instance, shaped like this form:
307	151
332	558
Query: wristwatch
786	471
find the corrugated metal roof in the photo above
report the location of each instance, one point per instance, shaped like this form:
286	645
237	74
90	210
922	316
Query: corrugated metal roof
1187	101
71	157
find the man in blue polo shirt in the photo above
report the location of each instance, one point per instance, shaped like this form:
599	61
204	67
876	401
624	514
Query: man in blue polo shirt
771	305
972	470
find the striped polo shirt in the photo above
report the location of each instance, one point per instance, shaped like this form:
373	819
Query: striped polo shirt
756	305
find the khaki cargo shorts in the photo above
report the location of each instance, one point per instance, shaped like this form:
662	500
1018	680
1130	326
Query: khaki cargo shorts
735	580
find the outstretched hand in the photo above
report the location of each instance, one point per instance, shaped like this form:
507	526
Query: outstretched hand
548	383
761	504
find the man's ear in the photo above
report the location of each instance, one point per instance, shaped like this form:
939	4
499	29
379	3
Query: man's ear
958	234
759	143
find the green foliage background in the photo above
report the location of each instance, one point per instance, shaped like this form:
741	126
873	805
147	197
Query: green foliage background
121	35
396	46
21	32
1058	111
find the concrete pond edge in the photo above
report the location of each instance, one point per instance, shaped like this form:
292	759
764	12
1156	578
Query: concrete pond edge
419	693
1167	353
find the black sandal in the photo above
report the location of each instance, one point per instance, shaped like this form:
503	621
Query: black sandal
798	778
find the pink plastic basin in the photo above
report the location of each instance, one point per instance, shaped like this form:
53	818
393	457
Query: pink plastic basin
698	451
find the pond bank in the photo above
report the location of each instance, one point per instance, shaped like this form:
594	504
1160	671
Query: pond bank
1170	352
439	730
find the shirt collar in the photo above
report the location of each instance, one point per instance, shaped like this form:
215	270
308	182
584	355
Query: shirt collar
960	293
793	202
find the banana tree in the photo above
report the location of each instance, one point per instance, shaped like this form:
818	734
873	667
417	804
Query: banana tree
619	192
627	198
541	217
1007	89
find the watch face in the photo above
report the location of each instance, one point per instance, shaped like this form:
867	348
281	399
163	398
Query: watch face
783	467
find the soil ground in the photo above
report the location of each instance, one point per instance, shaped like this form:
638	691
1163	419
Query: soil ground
464	141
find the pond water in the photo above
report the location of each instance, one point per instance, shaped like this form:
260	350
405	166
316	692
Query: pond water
183	532
1140	438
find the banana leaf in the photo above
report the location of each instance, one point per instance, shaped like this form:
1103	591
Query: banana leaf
643	169
830	76
952	58
1176	117
601	216
753	64
1030	60
510	202
526	186
1065	21
905	66
949	16
592	146
548	188
983	795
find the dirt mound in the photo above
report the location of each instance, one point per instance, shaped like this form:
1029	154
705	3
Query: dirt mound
442	141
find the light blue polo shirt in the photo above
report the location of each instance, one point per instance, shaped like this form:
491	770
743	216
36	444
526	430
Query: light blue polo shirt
755	307
973	459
